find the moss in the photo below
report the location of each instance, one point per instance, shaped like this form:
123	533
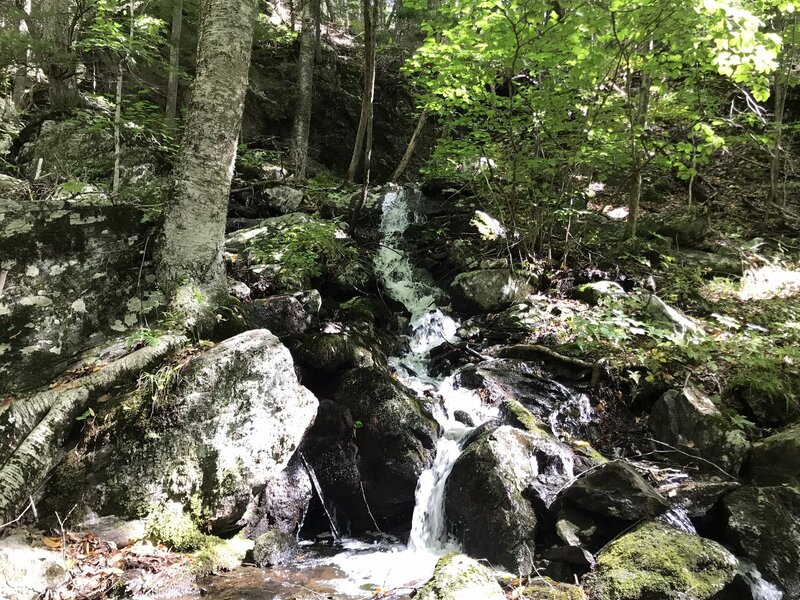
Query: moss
544	588
520	417
217	555
656	561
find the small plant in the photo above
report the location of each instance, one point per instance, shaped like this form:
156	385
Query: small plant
141	337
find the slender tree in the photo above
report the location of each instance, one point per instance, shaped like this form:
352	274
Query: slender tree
189	254
174	63
305	86
59	60
365	121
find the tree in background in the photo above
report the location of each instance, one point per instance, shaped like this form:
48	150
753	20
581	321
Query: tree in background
305	87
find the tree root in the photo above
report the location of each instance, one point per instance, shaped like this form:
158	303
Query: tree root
35	428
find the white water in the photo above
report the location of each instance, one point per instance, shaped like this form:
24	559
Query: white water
392	565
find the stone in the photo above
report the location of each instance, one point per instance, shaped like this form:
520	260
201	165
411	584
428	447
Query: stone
113	529
338	351
594	291
657	562
773	460
28	572
492	494
615	489
284	315
239	240
660	312
690	422
283	199
458	577
713	262
226	424
764	525
274	548
71	282
544	588
489	290
284	502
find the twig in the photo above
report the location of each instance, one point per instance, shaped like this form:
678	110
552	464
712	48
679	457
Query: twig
364	496
30	506
692	456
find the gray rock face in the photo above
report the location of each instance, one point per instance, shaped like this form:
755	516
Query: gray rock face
458	577
493	489
774	459
657	562
616	490
27	572
283	199
283	503
339	351
70	272
274	548
229	422
488	290
764	524
691	422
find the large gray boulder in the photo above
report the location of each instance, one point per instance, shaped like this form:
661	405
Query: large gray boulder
691	423
458	577
226	424
69	280
283	198
284	315
489	290
495	488
764	525
284	502
657	562
774	459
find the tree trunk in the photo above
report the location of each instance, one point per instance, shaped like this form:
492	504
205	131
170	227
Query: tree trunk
189	253
305	86
21	75
638	125
330	10
117	128
369	9
777	139
174	64
412	146
58	60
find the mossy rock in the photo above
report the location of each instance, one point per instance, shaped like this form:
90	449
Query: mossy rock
274	548
336	352
767	394
544	588
458	577
657	562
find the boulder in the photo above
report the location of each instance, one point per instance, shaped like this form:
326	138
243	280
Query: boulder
284	502
690	422
458	577
657	562
70	281
338	351
489	290
283	199
496	485
660	312
764	525
223	427
616	490
274	548
595	291
28	572
544	588
285	315
773	460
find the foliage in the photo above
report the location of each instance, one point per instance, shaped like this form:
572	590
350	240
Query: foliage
298	253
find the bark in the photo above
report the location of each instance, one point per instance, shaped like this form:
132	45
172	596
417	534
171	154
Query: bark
412	146
639	123
58	60
189	252
21	75
174	63
305	86
330	10
365	120
117	128
777	139
39	425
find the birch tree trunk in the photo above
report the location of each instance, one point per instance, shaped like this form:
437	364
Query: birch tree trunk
174	63
305	86
370	10
21	75
189	252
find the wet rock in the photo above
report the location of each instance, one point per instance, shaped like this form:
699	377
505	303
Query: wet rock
764	525
594	291
339	351
285	315
226	424
495	487
655	561
395	441
616	490
239	290
690	422
464	418
64	290
575	556
580	528
700	494
458	577
510	379
283	199
773	460
274	548
284	501
489	290
515	414
27	572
